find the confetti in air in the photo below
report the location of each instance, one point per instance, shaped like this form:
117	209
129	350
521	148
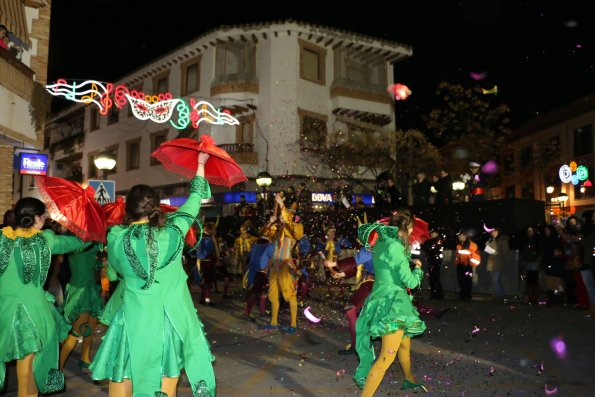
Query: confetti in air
310	316
559	347
478	76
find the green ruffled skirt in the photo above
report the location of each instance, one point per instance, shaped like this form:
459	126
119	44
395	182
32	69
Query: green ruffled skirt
113	305
113	359
35	330
82	299
387	310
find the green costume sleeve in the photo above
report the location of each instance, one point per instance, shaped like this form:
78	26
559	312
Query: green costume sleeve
411	279
199	189
112	275
63	244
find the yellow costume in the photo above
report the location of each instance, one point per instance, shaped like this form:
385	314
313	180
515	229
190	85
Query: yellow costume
280	276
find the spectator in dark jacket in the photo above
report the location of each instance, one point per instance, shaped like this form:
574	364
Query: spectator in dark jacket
443	189
421	190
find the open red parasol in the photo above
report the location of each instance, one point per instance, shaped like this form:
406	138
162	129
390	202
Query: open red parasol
180	156
421	232
73	207
115	212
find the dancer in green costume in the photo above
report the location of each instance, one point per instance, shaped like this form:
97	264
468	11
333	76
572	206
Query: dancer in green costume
30	325
388	312
83	303
156	332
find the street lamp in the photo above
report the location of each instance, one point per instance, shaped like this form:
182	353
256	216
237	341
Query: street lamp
458	186
105	162
264	180
549	189
562	199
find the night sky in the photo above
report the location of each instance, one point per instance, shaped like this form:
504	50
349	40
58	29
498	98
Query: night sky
541	54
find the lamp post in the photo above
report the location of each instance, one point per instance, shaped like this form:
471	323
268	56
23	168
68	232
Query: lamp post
562	199
458	186
105	162
264	180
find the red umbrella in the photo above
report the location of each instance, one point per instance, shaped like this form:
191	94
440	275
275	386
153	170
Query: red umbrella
421	232
73	207
180	156
115	212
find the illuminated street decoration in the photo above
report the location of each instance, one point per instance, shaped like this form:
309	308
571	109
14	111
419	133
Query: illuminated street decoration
399	91
159	108
573	173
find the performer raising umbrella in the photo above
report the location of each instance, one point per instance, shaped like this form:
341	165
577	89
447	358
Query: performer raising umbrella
156	333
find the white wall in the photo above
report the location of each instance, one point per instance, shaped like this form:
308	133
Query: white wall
14	113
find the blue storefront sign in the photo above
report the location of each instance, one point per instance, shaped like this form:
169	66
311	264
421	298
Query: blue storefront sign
33	164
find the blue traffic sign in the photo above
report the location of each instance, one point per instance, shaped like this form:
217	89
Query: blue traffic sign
105	191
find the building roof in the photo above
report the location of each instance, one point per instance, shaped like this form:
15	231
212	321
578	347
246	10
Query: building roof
369	49
557	116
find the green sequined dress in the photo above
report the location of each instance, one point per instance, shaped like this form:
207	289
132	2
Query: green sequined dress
156	332
388	308
83	294
29	321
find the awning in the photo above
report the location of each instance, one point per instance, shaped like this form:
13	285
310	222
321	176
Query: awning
12	15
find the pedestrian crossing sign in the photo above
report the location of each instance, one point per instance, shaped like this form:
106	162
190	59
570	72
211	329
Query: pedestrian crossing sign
105	191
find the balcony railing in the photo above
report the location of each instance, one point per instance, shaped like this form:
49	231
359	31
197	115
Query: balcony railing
243	153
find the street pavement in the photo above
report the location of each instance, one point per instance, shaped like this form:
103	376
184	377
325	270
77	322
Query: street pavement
478	348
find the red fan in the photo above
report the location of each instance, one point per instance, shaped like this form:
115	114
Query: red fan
114	214
73	207
420	232
180	156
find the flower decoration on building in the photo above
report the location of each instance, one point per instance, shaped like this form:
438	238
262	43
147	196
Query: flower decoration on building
573	173
159	108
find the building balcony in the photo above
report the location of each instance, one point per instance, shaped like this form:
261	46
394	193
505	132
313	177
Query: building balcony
238	82
360	90
15	75
67	147
242	153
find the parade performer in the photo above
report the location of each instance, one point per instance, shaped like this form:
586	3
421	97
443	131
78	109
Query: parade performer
281	278
241	248
83	302
465	260
207	256
30	325
256	280
329	252
303	249
156	333
388	312
361	267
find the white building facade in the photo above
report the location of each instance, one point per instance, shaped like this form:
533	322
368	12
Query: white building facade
289	84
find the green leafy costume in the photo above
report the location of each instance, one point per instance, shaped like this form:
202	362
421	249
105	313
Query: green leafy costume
388	308
83	294
29	321
156	332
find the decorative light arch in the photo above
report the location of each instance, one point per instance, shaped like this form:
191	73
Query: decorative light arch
160	108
